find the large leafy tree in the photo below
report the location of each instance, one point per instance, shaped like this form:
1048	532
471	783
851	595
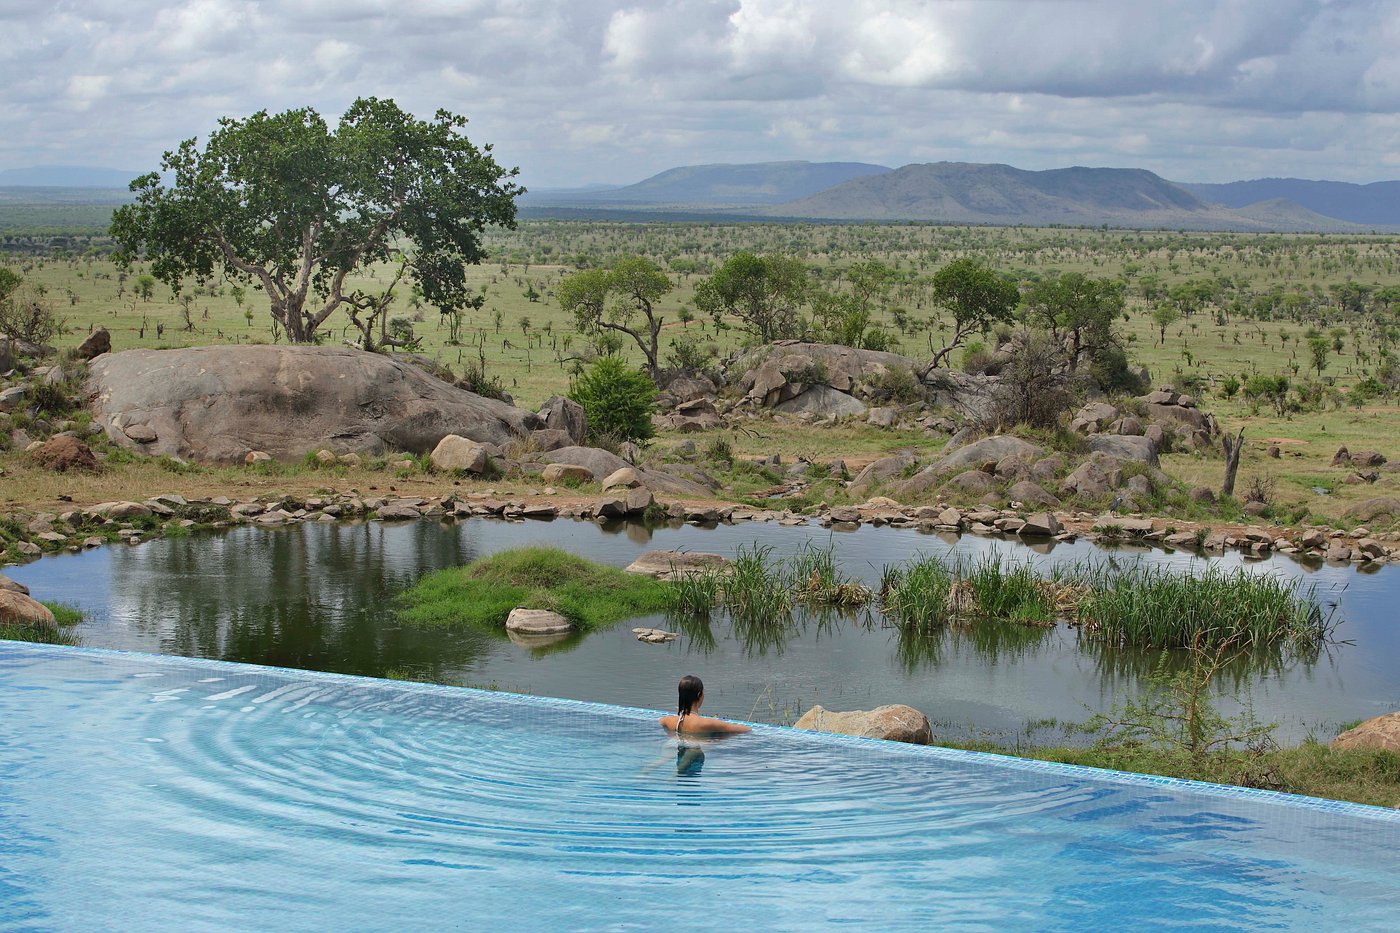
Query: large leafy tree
622	299
294	207
1079	311
976	297
765	293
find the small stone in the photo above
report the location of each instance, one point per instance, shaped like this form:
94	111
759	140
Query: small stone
537	622
256	456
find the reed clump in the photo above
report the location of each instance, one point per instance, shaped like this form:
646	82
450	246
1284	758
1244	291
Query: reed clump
1152	607
758	587
1134	606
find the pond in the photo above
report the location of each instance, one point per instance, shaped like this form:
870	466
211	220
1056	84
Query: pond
321	597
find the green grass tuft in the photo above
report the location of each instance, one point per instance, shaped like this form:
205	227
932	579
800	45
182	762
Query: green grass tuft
484	592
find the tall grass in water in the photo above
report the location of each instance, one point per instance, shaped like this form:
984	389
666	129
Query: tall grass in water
813	580
695	593
915	594
1151	607
1009	590
755	589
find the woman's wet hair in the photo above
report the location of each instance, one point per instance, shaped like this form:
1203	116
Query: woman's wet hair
689	691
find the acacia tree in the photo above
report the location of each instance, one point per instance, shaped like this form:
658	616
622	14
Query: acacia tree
293	207
977	298
766	294
614	299
1080	311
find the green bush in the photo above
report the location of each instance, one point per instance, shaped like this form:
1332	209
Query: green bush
617	399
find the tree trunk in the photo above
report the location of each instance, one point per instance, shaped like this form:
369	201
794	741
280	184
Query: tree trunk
1233	447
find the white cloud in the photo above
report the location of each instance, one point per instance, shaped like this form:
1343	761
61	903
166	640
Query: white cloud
596	90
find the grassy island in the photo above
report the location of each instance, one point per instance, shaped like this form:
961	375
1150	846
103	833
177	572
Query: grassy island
483	593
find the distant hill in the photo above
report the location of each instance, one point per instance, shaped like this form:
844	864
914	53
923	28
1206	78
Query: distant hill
66	176
971	193
719	185
1376	204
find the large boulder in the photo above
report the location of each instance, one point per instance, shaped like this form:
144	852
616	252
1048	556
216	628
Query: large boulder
896	723
824	402
880	471
1368	510
14	586
1125	447
455	454
19	610
1381	732
217	403
97	343
672	565
564	414
989	450
765	371
1032	494
596	460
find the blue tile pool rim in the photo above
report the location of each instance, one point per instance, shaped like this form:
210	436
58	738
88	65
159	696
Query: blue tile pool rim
937	752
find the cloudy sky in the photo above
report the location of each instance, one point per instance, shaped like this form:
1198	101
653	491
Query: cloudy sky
583	91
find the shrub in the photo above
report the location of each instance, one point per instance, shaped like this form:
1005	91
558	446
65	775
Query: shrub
896	384
617	399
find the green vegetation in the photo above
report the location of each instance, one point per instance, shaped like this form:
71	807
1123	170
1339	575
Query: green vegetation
65	616
274	193
760	590
1138	605
1153	607
485	591
1175	729
617	399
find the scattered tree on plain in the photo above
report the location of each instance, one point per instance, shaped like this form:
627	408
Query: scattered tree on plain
286	203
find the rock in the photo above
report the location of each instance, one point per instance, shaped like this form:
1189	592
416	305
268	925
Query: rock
950	517
1163	396
655	636
1368	510
566	473
1032	494
13	397
882	417
119	511
894	723
537	622
1313	538
1041	525
564	414
214	403
1087	481
1371	458
1127	426
1093	417
974	482
550	439
1202	494
63	453
845	513
97	343
1338	552
1342	457
398	512
1139	486
351	459
824	402
1379	732
13	586
256	456
880	471
457	454
1046	469
671	565
1254	508
326	457
19	610
686	387
625	477
988	450
598	461
1125	447
1177	417
1371	548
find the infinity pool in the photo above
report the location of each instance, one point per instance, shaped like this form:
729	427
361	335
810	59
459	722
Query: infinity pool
165	793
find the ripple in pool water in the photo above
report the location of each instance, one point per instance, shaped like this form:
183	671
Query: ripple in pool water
163	793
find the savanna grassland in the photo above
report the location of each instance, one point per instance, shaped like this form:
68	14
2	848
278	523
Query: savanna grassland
1205	312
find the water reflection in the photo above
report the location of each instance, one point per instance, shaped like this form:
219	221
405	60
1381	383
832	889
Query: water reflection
321	596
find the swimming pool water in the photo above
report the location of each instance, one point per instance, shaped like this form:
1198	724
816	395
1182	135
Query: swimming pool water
165	793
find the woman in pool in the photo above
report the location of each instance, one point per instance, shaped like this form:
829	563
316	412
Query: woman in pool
688	720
